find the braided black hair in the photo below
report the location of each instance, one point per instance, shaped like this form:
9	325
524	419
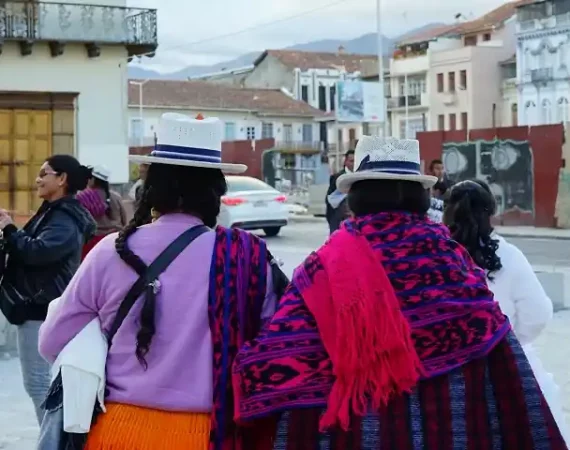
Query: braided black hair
468	211
169	189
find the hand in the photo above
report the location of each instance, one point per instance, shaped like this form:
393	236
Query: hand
5	219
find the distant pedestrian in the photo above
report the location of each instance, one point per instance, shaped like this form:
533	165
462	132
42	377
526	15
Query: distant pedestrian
335	215
136	191
437	169
105	205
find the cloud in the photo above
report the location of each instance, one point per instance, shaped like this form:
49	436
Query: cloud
182	23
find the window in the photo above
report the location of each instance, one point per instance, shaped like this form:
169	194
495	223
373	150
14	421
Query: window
439	82
441	122
266	130
137	129
333	97
470	40
463	79
288	133
415	126
305	93
238	184
451	81
546	112
530	113
230	131
322	98
562	110
307	132
464	121
514	115
452	122
250	132
487	37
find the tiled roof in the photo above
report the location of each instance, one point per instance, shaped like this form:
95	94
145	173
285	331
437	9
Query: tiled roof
295	59
426	35
489	20
203	95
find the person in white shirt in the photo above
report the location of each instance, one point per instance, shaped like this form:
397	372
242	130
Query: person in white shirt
468	213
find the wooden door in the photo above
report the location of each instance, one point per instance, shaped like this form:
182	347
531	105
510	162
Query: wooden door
25	143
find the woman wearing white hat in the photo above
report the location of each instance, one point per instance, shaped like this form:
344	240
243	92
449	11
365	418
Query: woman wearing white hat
106	206
388	336
169	364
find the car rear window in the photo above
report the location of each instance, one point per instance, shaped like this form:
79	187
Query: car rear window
236	184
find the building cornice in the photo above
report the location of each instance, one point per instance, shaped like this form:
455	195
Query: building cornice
538	34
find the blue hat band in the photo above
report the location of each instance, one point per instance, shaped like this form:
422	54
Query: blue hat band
396	167
187	153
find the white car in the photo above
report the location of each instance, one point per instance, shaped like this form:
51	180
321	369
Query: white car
251	204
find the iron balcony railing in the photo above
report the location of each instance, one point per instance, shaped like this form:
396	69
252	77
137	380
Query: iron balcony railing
69	22
299	145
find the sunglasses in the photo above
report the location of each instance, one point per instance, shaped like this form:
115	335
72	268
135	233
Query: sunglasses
44	173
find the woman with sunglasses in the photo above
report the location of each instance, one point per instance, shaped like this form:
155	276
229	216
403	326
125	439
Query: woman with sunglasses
42	258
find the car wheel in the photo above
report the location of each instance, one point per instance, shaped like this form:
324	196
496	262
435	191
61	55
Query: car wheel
271	231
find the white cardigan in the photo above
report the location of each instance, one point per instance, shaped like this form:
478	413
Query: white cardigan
520	294
524	302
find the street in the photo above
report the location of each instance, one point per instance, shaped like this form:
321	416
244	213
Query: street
17	422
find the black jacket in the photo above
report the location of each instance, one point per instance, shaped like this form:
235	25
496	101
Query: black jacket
335	216
45	254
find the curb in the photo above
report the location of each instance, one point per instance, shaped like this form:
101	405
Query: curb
535	236
301	218
306	219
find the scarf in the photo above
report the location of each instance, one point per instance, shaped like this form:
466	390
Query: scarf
93	202
362	329
440	292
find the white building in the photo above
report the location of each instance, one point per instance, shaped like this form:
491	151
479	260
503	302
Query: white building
248	114
312	77
63	83
408	99
543	61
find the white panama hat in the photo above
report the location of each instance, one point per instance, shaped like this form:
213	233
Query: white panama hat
185	141
378	158
101	172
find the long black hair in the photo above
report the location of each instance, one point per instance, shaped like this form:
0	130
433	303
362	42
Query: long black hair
375	196
77	174
468	212
169	189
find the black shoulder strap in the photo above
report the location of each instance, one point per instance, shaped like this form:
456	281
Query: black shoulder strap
158	266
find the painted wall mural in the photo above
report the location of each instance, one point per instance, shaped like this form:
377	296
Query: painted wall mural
506	165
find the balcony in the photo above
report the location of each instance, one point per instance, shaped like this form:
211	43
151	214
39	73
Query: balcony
414	101
299	147
543	75
59	23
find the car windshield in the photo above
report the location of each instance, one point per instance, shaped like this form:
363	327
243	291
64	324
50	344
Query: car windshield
237	184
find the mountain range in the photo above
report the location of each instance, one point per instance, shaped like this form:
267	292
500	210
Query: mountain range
365	45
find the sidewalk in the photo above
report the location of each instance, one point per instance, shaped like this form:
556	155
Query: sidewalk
506	231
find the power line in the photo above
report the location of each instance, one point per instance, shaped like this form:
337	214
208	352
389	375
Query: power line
251	28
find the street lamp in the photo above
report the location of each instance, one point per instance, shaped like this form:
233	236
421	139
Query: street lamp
140	84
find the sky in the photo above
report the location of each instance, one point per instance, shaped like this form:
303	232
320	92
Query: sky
183	23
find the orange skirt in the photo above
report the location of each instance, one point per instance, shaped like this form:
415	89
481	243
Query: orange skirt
126	427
